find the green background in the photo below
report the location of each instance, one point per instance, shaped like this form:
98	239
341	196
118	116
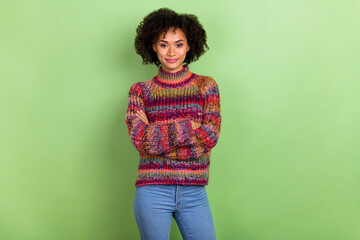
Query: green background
286	166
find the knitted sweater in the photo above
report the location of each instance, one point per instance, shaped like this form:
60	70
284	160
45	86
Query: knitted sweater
171	152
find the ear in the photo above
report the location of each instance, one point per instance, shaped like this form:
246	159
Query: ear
153	47
187	48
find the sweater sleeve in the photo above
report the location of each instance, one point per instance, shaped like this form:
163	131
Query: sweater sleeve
153	138
204	138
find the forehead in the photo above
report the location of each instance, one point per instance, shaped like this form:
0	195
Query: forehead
171	34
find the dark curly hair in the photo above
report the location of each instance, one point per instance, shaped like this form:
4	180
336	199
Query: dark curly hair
162	20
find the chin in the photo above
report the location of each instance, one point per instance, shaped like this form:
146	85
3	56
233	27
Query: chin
172	67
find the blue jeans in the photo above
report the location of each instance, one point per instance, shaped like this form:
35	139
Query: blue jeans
156	205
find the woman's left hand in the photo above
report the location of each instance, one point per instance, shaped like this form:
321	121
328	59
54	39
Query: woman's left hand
195	125
142	116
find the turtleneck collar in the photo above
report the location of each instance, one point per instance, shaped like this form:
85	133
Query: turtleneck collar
175	79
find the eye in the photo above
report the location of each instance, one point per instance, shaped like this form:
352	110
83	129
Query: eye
162	45
180	45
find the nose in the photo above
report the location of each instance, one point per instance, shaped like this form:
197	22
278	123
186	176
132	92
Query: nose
171	51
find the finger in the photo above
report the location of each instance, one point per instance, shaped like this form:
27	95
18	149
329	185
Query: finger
141	113
144	119
140	116
144	115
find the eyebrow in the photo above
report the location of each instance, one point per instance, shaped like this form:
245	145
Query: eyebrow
175	41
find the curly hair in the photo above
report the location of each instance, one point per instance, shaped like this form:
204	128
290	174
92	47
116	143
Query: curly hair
161	20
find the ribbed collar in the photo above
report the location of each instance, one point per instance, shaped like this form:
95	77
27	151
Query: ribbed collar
175	79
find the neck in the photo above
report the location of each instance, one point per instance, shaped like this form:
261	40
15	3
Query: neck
178	78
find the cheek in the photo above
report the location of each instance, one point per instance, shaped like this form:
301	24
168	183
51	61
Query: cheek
184	53
159	56
161	53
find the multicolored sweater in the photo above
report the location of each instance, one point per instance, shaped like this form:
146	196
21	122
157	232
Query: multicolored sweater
171	152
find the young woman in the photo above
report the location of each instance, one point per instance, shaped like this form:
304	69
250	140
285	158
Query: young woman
173	121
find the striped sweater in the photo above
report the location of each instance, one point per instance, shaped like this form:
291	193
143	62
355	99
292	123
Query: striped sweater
171	152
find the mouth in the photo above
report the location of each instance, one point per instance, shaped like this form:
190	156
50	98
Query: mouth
171	60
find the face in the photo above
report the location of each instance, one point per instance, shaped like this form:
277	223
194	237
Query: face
171	50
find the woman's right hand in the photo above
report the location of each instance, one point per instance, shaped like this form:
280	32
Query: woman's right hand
195	125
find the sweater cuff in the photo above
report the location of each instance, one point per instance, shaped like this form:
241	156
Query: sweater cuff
185	131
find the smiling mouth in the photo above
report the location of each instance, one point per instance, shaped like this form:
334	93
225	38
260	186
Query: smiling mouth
171	60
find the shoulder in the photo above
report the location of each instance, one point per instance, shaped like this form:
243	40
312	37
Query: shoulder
140	87
135	87
205	80
206	83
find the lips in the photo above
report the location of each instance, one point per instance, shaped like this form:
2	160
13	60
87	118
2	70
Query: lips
171	60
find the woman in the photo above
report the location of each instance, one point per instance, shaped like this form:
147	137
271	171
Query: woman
173	121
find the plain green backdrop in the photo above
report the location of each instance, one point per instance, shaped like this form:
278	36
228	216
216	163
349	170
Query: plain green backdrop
286	166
